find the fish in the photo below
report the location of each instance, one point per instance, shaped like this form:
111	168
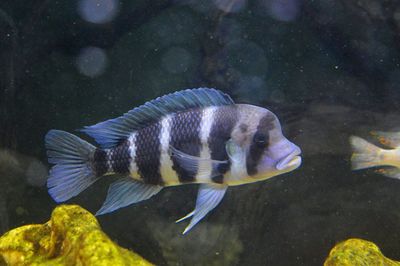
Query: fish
385	160
193	136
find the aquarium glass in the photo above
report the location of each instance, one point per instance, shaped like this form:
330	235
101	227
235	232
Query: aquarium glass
329	70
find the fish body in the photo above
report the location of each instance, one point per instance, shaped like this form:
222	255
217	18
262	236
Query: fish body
192	136
385	160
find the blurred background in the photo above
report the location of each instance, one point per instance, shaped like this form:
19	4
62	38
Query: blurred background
328	69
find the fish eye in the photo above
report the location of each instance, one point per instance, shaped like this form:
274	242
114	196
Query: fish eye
260	139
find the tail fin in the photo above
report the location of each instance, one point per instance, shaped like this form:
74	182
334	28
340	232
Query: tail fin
389	139
365	154
72	172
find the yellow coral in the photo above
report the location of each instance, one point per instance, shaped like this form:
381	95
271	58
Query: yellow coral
71	237
355	252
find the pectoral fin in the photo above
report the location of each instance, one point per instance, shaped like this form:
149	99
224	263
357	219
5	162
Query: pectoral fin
192	164
237	156
209	196
234	151
125	192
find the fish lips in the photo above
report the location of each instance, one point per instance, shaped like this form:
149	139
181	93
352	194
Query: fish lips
290	161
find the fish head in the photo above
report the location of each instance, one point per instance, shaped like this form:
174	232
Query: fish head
262	148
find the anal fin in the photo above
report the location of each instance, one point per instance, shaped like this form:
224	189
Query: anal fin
125	192
392	172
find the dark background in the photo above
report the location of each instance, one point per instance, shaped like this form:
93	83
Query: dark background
328	69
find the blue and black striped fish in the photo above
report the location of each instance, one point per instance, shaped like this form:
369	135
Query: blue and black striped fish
191	136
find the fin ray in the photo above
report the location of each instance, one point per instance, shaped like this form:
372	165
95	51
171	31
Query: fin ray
125	192
72	172
110	132
389	139
190	214
392	172
209	196
365	154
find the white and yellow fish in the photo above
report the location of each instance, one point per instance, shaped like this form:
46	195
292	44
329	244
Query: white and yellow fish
367	155
192	136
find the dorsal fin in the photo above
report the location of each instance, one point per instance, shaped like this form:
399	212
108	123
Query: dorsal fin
109	133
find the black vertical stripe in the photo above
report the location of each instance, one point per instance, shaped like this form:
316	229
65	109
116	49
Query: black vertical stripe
259	143
120	158
148	154
185	137
99	162
225	118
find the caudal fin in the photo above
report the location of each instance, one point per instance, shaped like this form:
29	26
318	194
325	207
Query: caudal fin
365	154
72	172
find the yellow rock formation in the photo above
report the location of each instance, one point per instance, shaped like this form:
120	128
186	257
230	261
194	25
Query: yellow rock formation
71	237
357	252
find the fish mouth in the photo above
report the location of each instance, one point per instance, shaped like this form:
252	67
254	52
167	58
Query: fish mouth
292	160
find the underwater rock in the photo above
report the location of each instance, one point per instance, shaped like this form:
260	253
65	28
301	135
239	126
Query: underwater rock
353	252
71	237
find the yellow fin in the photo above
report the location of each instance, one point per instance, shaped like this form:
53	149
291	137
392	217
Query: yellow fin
365	154
392	172
389	139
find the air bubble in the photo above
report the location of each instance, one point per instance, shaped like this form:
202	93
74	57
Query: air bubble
91	61
98	11
283	10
